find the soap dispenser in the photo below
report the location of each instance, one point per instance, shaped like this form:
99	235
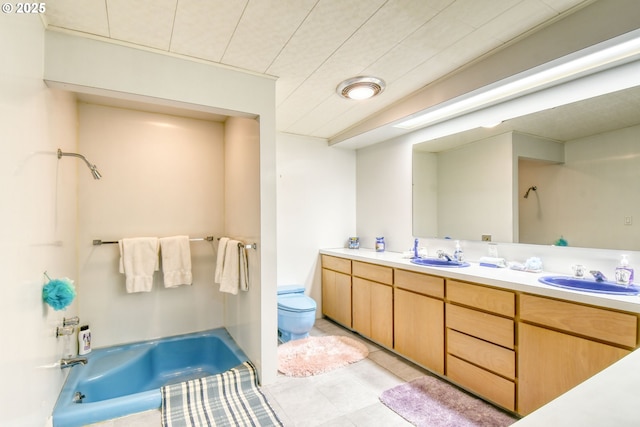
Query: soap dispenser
458	255
624	273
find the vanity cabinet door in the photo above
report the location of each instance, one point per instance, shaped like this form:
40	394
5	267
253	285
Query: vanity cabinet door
336	296
419	329
373	310
550	363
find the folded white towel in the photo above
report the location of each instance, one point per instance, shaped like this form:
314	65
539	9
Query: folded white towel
493	262
230	281
138	261
222	248
176	261
235	274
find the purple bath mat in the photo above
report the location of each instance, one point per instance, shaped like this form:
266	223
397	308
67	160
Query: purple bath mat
429	401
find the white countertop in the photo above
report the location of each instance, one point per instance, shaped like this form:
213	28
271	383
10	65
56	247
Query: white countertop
505	278
609	398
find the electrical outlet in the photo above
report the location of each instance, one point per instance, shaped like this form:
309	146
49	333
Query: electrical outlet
486	237
628	220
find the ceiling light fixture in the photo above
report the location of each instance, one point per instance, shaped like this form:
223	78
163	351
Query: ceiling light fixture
361	87
590	60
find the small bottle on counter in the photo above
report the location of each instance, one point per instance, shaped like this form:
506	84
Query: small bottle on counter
354	243
379	244
624	273
458	255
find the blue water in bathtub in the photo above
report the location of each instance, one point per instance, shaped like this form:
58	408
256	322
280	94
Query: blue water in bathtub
126	379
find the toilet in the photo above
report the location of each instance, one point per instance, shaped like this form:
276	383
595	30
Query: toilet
296	313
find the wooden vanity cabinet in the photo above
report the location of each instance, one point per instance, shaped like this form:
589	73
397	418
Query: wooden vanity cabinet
372	302
518	356
561	344
480	330
336	289
418	318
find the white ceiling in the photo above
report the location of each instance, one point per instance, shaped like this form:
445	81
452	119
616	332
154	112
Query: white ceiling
312	45
567	122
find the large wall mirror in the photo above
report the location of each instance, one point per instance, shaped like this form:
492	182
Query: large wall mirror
570	172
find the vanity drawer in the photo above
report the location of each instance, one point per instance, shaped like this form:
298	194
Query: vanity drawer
489	356
486	384
377	273
488	327
420	283
488	299
341	265
606	325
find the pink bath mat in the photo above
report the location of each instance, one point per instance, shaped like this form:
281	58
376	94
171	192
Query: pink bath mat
316	355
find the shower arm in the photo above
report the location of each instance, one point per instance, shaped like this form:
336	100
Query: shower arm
93	168
533	187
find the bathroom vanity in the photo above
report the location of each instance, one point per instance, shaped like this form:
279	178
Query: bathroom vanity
496	332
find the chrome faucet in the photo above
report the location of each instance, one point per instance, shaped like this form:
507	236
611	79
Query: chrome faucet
443	255
598	276
73	361
64	330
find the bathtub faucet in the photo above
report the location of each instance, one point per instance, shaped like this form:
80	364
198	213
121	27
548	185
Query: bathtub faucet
72	361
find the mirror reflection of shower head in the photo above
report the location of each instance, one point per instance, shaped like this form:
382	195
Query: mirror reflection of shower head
93	168
533	187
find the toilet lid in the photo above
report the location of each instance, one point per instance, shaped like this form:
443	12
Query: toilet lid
297	303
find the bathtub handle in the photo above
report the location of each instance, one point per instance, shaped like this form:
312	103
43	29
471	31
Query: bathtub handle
71	321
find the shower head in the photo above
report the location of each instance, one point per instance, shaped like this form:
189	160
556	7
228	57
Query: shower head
93	168
94	172
533	187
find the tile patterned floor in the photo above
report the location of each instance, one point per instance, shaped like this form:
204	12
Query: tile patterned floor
345	397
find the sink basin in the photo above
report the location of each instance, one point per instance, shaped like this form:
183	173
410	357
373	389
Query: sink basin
438	262
589	285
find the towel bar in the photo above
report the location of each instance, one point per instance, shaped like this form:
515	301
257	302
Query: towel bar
247	246
98	242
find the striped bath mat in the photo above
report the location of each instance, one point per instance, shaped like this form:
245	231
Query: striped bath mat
231	398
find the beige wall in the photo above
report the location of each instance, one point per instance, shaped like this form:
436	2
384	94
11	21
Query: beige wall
161	176
244	311
383	195
593	190
37	222
316	207
425	193
475	190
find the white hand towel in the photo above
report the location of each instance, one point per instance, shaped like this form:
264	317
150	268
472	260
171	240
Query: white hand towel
222	248
176	261
138	261
230	281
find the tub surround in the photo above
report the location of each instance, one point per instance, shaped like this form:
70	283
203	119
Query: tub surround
499	277
239	187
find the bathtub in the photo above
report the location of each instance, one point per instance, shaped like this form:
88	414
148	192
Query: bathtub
126	379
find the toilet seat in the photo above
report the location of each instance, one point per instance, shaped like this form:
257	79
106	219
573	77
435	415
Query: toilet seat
296	303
